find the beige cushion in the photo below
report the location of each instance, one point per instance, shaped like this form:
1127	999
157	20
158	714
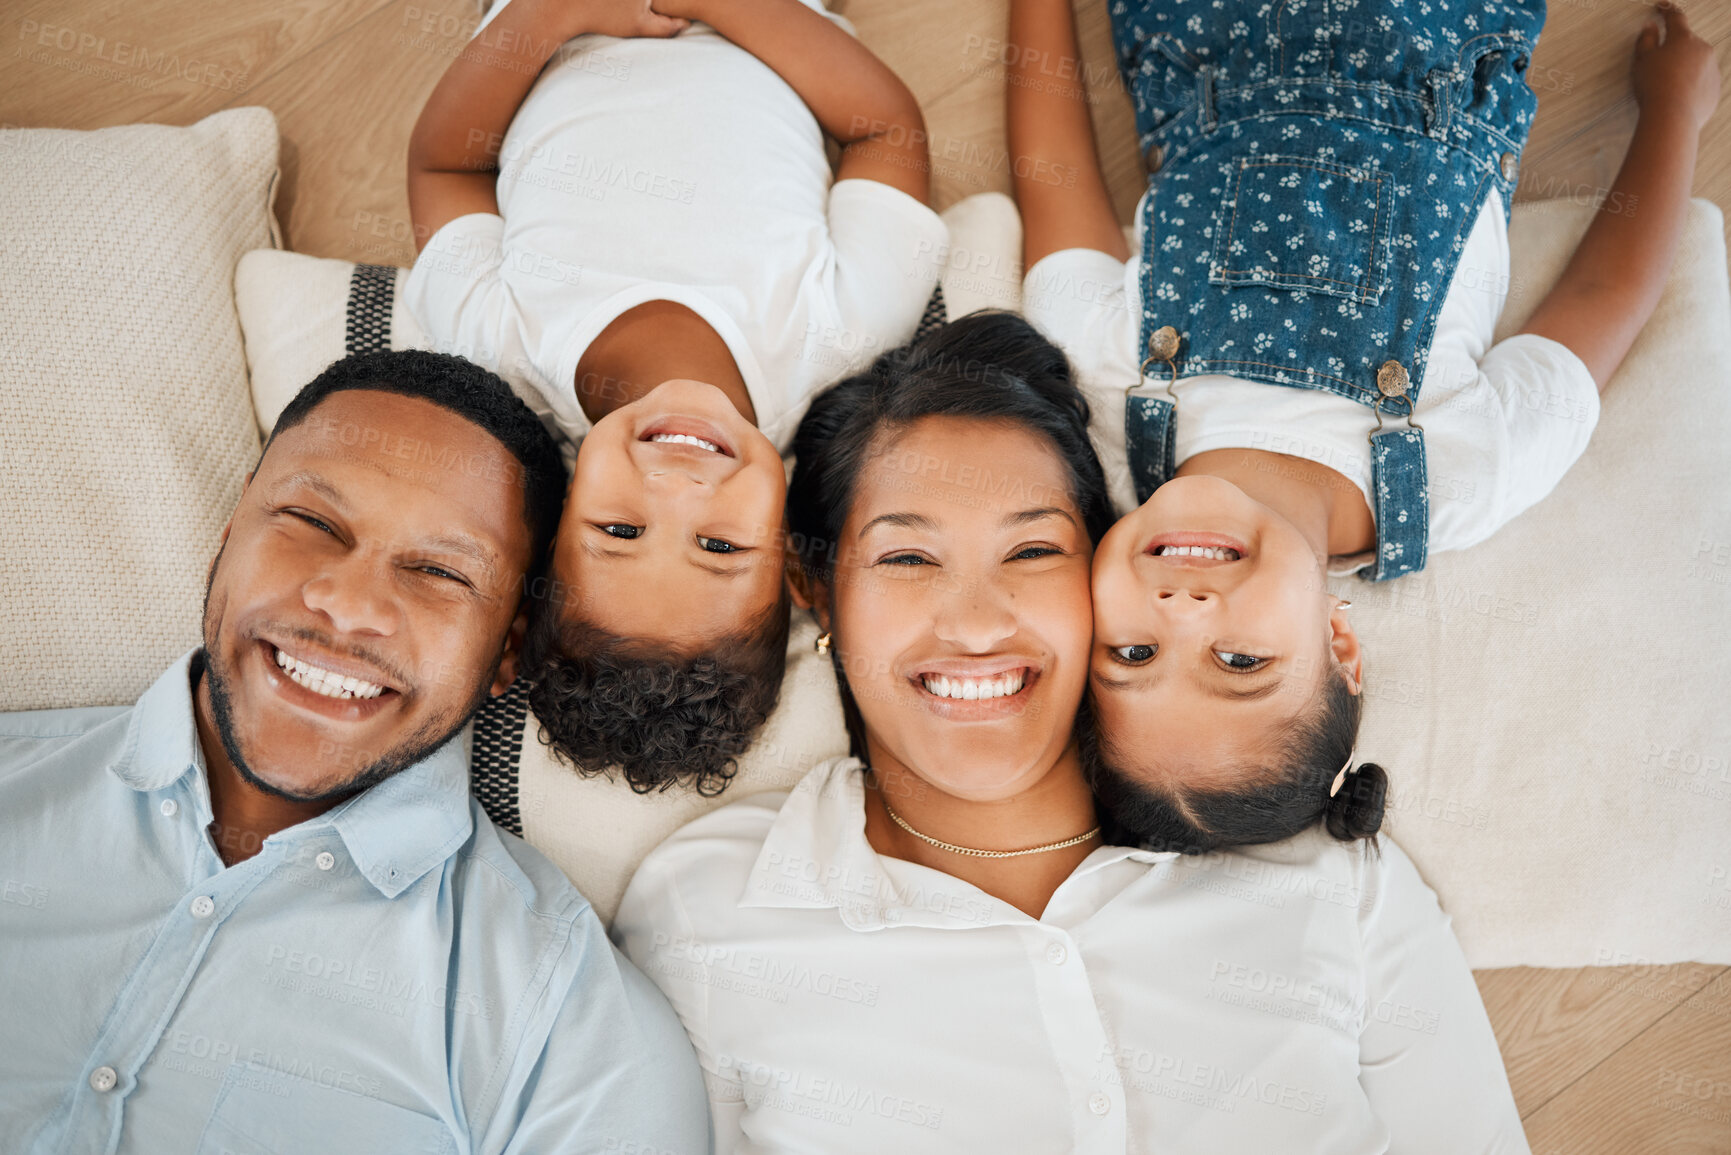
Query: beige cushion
127	427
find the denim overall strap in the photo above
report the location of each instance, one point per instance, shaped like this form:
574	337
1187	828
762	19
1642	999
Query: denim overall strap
1150	423
1398	480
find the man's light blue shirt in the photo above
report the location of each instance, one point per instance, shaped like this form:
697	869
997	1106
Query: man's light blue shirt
394	975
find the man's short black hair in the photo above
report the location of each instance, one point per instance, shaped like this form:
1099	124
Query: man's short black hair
470	392
661	717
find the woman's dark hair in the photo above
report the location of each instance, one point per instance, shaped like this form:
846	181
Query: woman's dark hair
989	366
1278	801
470	392
662	717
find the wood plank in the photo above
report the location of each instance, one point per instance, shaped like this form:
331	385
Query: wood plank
1667	1090
96	63
345	113
1554	1026
1586	106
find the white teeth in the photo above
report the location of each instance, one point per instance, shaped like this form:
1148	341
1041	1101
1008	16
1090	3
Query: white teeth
974	689
322	681
1209	551
686	439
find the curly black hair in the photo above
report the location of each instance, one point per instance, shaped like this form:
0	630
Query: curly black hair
662	718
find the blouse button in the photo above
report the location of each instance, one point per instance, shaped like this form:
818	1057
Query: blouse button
169	808
202	906
103	1079
1099	1103
1056	954
1154	158
325	860
1510	166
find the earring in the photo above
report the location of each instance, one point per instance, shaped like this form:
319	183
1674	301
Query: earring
823	642
1343	604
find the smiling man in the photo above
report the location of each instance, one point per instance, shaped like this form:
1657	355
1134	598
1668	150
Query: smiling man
257	911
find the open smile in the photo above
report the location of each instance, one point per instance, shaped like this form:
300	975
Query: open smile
687	434
969	695
1195	549
334	687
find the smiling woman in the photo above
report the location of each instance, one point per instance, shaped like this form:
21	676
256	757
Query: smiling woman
945	510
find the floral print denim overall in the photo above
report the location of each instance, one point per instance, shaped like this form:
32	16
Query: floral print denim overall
1317	166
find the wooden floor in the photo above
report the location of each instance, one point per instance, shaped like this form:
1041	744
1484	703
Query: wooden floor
1617	1060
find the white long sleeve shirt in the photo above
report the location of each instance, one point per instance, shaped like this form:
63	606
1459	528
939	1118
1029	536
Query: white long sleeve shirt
1307	996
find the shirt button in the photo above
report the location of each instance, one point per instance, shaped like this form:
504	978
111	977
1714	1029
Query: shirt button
325	860
1099	1103
1509	165
1154	158
1056	954
202	906
169	808
102	1080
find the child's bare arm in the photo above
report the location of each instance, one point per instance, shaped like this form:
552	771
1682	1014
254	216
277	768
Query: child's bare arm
454	151
1056	169
1613	282
854	95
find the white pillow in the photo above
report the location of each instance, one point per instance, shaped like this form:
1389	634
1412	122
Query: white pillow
1563	779
127	427
298	311
294	311
1554	705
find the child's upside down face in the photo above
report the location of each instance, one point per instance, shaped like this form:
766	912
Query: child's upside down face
1213	631
671	532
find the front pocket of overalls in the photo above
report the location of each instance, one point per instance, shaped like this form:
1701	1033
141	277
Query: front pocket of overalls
1297	223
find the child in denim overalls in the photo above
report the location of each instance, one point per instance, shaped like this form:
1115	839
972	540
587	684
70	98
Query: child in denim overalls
1295	373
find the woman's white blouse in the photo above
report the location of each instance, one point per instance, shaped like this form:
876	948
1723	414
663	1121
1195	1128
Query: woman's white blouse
1302	996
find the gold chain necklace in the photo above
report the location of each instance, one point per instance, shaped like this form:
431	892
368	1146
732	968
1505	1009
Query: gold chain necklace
968	850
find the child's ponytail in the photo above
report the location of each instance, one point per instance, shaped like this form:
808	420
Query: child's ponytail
1356	809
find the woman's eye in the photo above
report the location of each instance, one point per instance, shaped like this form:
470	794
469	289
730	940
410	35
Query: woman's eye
620	529
1034	551
1234	661
716	545
903	559
1134	655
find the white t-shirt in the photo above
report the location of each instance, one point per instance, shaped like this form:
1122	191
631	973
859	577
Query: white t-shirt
683	170
1307	995
1502	422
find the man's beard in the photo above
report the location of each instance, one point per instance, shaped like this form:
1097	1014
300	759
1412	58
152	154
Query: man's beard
418	746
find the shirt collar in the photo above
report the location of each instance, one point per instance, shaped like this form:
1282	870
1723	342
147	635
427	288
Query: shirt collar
816	856
161	744
396	831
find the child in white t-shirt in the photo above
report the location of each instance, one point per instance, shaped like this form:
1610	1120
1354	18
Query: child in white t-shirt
629	213
1224	693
